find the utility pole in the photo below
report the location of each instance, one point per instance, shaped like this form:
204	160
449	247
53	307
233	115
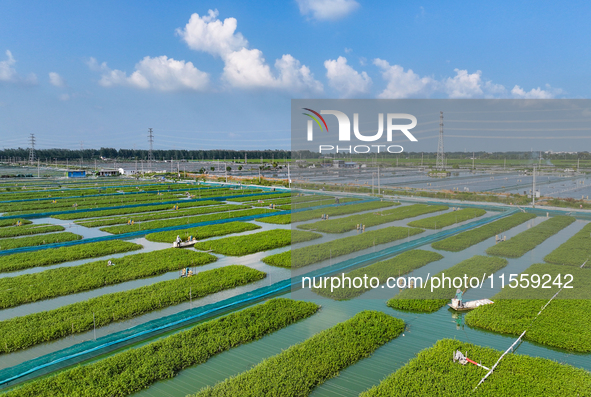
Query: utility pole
37	168
150	153
379	180
440	164
472	160
32	149
533	192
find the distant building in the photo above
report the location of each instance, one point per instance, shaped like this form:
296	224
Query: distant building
108	172
338	163
76	174
128	172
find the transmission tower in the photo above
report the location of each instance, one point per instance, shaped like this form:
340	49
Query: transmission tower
32	149
440	164
151	140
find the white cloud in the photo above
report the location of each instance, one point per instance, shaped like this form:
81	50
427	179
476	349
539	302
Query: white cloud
56	80
327	9
346	80
348	50
8	72
403	84
161	73
64	97
209	34
464	85
534	93
244	67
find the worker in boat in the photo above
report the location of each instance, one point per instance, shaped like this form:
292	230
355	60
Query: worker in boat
178	239
109	263
460	297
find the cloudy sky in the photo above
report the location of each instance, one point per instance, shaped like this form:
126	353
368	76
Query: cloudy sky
221	74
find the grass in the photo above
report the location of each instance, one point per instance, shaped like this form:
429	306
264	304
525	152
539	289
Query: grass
563	324
308	255
450	218
202	232
51	238
315	203
182	221
29	229
399	265
84	203
23	332
12	222
422	300
62	281
133	210
257	242
470	237
531	238
575	251
161	215
25	260
277	219
341	210
433	373
342	225
299	369
260	197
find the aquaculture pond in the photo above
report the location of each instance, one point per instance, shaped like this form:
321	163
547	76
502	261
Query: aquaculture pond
390	353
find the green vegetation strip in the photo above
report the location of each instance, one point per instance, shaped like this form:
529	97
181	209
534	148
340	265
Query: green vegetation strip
261	197
29	229
162	215
182	221
23	332
342	225
13	222
316	203
85	202
310	254
450	218
531	238
341	210
563	324
11	243
299	369
277	219
51	283
25	260
399	265
133	210
433	373
202	232
575	251
257	242
424	301
470	237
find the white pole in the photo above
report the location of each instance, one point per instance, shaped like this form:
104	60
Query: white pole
288	177
533	195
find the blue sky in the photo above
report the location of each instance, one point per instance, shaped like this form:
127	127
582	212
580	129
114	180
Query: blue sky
221	74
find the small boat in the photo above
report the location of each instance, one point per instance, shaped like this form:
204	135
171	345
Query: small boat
468	305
